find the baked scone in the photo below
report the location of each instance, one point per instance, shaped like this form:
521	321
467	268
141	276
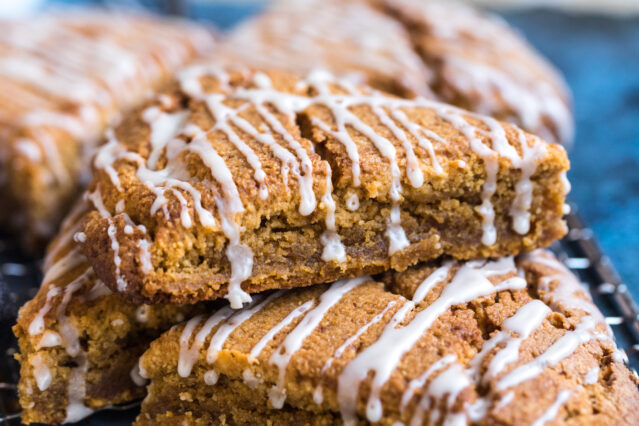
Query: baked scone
480	342
239	182
79	342
349	38
63	78
480	63
469	59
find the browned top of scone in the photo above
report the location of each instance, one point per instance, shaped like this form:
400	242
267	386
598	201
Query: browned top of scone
486	341
197	170
350	38
480	63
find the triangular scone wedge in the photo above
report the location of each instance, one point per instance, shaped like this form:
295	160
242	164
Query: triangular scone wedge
238	182
481	342
80	342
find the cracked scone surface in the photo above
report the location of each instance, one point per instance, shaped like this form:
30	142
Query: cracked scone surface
79	342
64	78
483	342
238	182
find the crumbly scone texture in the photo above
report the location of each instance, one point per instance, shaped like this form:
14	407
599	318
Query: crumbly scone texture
521	350
480	63
275	181
64	78
350	38
79	342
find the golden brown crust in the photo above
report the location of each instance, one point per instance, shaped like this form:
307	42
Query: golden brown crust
475	356
79	342
436	48
288	235
350	38
64	79
480	63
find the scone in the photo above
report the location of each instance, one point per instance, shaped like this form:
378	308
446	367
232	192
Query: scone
63	78
349	38
438	49
478	342
79	342
480	63
240	182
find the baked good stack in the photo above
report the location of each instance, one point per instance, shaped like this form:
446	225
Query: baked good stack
339	254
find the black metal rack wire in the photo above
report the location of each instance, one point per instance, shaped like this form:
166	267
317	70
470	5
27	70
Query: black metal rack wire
579	250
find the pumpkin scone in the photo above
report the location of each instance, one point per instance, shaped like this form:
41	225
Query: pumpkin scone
238	182
480	63
440	49
80	342
477	342
349	38
63	78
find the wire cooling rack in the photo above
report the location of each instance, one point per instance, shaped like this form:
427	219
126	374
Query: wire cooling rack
579	250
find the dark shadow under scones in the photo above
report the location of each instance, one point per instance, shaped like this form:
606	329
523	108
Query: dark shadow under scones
481	342
239	182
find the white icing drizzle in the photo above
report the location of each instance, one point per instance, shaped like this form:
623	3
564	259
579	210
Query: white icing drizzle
136	377
420	381
592	376
295	313
552	411
41	372
450	382
526	320
165	127
49	339
146	266
352	202
512	80
190	354
96	199
37	324
211	377
74	71
558	351
382	357
333	247
567	294
505	400
76	391
294	340
317	394
238	318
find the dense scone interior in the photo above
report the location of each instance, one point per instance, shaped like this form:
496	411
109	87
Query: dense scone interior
439	216
79	342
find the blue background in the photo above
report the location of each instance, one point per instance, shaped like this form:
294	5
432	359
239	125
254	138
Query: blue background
599	57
